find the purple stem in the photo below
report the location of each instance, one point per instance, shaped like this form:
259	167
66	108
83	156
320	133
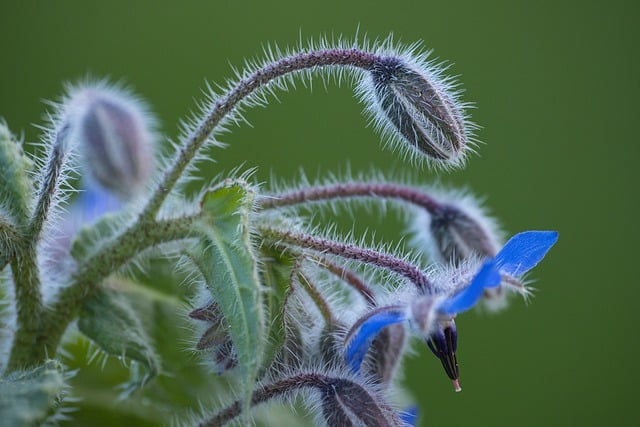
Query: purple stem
349	251
353	189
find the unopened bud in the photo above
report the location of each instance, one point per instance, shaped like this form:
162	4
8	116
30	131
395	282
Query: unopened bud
216	337
420	109
458	236
347	403
114	135
210	312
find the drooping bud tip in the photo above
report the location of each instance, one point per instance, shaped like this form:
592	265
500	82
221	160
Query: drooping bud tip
416	106
456	385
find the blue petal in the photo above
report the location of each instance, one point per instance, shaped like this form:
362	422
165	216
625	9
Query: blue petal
409	416
524	251
487	277
367	329
94	202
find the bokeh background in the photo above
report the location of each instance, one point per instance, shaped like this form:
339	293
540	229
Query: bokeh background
556	88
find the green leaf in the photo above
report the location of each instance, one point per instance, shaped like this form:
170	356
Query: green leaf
108	321
228	264
276	269
175	394
29	398
16	189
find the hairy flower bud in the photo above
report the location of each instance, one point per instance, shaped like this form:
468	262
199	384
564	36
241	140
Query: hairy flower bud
114	136
346	403
458	236
419	108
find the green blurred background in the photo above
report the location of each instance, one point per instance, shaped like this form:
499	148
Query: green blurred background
556	88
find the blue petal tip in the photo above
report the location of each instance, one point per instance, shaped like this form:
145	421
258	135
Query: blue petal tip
524	251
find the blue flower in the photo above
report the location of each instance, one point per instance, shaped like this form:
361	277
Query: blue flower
524	251
420	312
432	315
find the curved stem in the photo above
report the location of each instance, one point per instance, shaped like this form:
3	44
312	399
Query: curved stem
49	185
349	251
348	277
315	295
266	393
340	398
353	189
245	87
24	264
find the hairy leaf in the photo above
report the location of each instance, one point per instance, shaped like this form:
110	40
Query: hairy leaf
228	264
108	320
29	398
15	185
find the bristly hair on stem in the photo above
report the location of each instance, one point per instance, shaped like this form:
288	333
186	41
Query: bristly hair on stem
350	251
437	116
343	401
281	295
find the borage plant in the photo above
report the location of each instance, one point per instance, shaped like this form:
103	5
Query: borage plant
273	309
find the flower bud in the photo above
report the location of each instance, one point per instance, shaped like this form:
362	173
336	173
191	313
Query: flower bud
458	236
216	337
347	403
114	135
419	109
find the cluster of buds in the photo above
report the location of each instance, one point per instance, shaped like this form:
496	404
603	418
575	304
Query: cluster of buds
297	313
362	336
347	328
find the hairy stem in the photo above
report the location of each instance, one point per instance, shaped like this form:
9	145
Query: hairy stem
349	251
315	295
338	395
266	393
227	103
49	185
349	277
353	189
24	266
28	295
10	238
90	274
